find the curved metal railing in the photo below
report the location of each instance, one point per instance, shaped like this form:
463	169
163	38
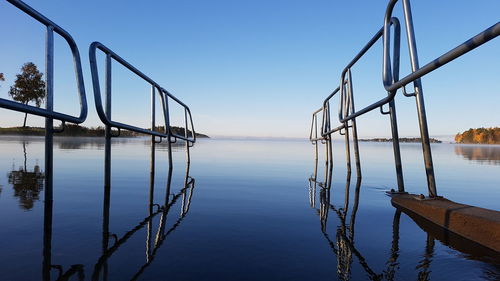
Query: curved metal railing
391	82
48	112
156	89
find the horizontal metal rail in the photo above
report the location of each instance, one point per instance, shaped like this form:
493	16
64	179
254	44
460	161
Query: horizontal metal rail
383	32
313	135
392	83
187	113
97	89
51	28
469	45
325	126
163	94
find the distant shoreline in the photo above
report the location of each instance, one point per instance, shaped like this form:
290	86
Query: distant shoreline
405	140
71	130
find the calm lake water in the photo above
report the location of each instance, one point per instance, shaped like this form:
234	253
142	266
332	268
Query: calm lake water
248	212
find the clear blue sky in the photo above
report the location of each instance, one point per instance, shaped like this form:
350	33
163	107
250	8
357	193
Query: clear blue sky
259	68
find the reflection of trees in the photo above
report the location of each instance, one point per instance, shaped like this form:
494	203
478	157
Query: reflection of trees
27	184
482	154
79	143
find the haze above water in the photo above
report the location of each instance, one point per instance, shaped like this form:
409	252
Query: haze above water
250	212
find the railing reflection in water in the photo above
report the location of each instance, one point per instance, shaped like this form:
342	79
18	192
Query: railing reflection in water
344	247
111	242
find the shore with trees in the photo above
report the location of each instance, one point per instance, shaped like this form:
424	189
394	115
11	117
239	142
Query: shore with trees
77	130
479	136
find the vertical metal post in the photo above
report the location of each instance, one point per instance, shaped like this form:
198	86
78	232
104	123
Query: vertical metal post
313	180
153	111
395	146
419	97
187	135
107	146
344	108
326	113
49	153
151	174
353	122
164	98
327	163
392	110
315	143
107	166
330	161
153	145
315	176
327	148
347	147
188	161
315	124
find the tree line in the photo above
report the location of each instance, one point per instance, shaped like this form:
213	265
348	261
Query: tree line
78	130
29	87
479	135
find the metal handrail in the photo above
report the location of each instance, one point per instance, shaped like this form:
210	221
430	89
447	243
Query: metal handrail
49	75
469	45
97	89
344	102
156	88
325	126
313	134
383	32
392	83
187	112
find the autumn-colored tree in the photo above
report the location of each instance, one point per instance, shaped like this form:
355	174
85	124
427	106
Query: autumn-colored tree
479	135
28	87
2	78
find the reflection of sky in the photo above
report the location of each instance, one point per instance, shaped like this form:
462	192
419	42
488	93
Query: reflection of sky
487	154
250	210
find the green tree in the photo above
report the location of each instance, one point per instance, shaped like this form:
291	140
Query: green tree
28	87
